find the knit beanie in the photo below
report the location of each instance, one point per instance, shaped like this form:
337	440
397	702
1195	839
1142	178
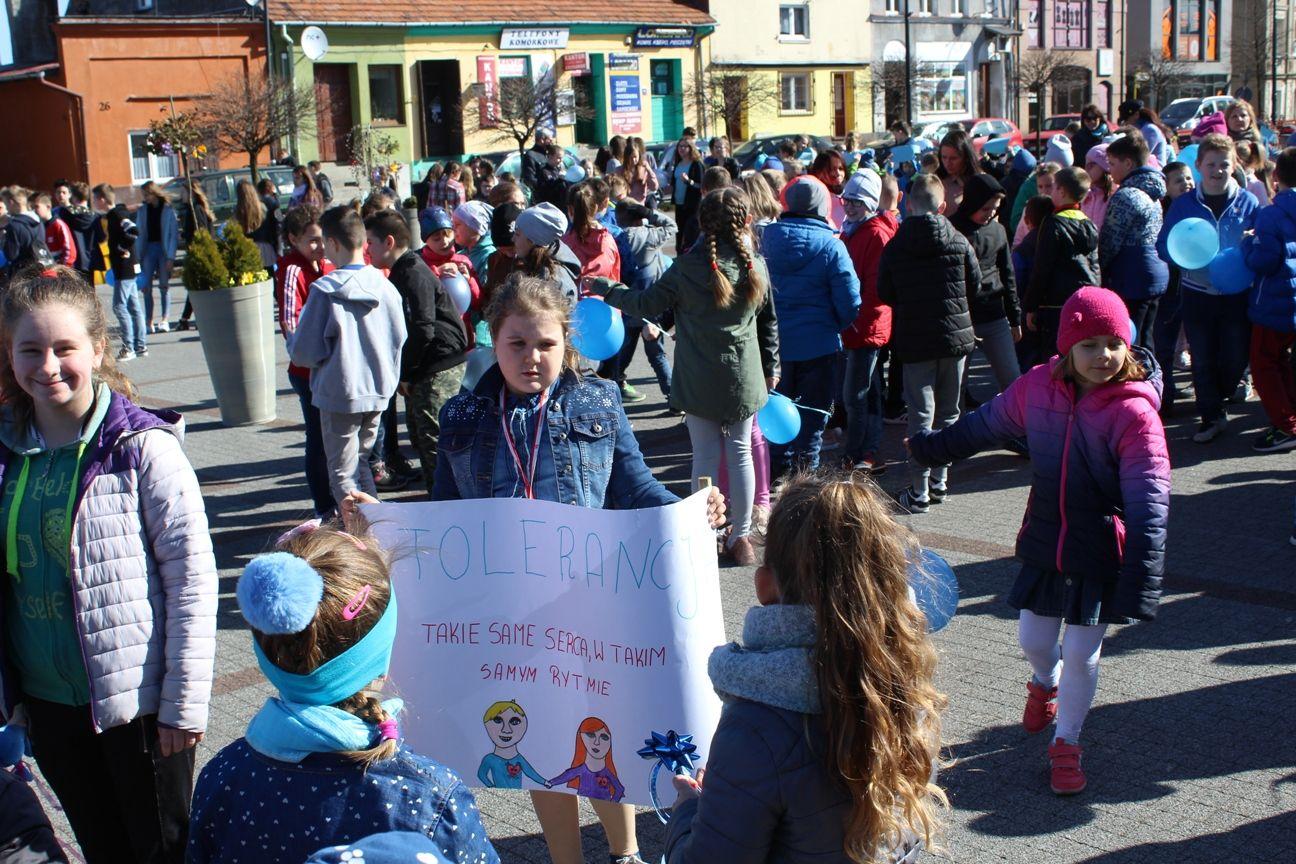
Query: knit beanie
807	196
1059	151
543	224
1098	156
1092	312
476	215
503	223
865	186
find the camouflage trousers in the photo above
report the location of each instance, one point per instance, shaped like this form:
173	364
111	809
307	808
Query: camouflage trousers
423	415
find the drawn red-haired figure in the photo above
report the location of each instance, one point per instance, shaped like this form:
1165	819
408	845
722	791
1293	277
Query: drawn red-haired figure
593	773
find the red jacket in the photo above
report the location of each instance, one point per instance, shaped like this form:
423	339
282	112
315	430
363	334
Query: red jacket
293	277
598	254
59	241
872	327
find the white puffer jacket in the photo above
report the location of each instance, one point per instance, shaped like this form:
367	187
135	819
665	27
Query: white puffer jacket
143	574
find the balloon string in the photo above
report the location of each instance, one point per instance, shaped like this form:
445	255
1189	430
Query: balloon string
803	407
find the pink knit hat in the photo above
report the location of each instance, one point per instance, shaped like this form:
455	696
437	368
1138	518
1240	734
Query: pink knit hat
1098	156
1091	312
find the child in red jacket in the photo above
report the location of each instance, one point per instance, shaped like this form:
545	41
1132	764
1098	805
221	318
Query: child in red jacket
870	202
441	256
58	236
589	239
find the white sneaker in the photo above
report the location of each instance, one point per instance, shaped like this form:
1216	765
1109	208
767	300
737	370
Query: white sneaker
1209	431
1183	362
163	327
125	355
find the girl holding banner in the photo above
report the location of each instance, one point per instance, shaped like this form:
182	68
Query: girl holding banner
536	427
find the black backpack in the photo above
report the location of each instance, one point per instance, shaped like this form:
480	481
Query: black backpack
24	245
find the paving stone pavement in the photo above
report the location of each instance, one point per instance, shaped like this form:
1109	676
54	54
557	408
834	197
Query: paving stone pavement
1189	747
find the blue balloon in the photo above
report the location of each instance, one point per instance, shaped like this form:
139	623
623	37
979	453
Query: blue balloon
597	329
1193	243
903	153
110	278
934	588
3	259
779	419
480	358
996	146
1133	332
1188	156
459	290
1229	272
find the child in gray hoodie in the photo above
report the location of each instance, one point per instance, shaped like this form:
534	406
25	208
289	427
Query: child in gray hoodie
350	336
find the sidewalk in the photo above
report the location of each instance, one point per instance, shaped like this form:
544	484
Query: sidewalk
1189	748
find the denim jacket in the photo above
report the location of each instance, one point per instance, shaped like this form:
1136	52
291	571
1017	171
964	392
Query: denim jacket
593	459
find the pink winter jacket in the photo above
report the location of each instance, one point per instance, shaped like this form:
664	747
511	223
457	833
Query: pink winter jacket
143	574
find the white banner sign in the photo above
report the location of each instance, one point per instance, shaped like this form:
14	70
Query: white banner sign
513	39
540	644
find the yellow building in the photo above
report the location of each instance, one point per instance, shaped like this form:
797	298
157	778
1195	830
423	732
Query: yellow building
803	66
434	86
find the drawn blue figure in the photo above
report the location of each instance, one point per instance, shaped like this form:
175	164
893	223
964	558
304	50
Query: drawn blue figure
503	767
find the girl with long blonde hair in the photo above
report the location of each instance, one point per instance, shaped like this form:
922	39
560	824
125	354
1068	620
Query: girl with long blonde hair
835	676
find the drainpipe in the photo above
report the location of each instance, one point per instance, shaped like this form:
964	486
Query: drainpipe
78	119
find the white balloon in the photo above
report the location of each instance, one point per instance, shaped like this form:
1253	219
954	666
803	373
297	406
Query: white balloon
460	293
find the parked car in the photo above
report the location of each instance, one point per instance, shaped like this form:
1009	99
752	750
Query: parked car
979	129
219	188
510	162
748	153
1037	142
1183	115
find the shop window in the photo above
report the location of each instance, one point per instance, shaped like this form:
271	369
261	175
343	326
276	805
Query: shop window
386	104
942	88
1071	89
150	166
794	93
794	22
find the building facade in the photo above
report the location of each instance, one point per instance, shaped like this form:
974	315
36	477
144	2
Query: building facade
959	59
1076	45
88	110
1263	58
1181	48
790	68
431	86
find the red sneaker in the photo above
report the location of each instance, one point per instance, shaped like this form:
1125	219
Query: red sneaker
1067	776
1040	707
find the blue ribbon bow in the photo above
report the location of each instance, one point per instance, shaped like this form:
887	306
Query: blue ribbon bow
677	753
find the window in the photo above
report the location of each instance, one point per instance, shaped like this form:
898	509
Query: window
942	87
925	7
1033	23
147	166
794	22
1070	89
956	7
794	93
1071	23
893	7
1102	23
386	105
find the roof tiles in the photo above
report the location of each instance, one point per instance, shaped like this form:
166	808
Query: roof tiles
490	11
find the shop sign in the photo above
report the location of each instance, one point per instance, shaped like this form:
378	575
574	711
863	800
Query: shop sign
516	39
624	62
488	96
625	94
577	63
565	103
663	37
512	67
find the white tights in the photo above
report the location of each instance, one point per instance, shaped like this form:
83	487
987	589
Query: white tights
1073	668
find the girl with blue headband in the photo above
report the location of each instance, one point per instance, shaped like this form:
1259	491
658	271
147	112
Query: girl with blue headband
322	763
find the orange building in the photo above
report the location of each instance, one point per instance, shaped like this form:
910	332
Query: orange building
85	117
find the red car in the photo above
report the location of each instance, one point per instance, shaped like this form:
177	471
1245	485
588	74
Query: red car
1037	143
979	129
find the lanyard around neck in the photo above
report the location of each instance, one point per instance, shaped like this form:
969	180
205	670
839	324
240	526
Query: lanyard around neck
527	474
11	532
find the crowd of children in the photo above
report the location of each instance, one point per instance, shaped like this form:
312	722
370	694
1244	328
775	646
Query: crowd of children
804	284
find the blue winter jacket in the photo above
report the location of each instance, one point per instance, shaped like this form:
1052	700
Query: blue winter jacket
1238	217
251	809
1127	254
591	459
170	238
1271	253
816	291
1100	485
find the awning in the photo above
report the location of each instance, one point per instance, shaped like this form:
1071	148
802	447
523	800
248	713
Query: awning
1002	30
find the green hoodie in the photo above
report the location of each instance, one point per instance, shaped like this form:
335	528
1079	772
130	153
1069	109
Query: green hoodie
40	632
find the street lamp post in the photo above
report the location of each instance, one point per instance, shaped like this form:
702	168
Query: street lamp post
908	89
1273	63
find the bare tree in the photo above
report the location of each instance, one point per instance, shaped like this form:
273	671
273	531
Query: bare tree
726	93
517	108
1039	69
1159	77
1251	55
247	115
888	84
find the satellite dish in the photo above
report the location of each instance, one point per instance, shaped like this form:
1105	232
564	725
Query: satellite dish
314	43
252	2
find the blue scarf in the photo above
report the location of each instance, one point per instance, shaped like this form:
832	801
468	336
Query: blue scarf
291	731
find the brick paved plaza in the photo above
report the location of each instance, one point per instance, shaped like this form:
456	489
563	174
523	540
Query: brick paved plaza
1190	748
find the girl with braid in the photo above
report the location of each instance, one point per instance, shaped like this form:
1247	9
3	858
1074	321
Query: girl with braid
726	352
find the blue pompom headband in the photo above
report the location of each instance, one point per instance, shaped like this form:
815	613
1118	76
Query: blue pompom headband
344	675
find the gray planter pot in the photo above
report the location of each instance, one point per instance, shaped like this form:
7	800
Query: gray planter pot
416	234
236	327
